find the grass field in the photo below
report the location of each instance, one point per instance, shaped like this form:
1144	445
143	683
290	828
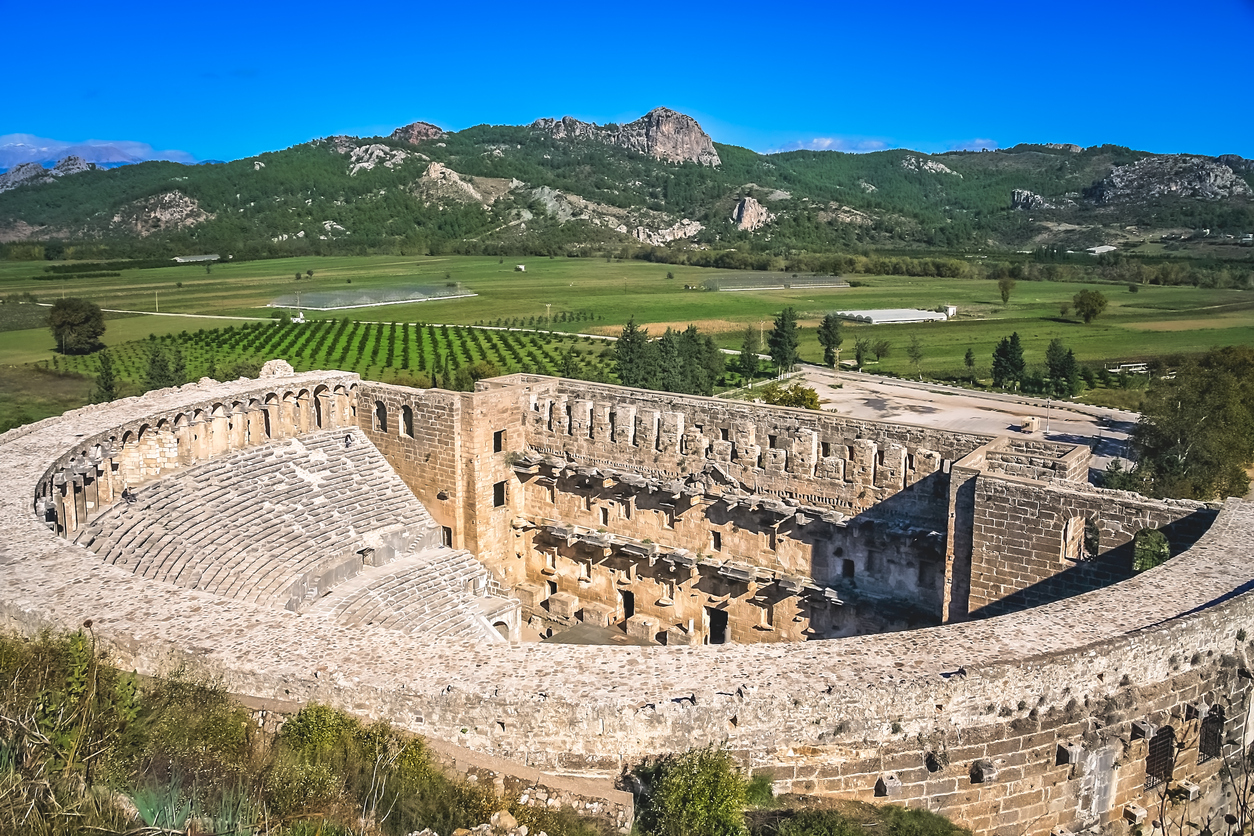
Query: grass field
1155	321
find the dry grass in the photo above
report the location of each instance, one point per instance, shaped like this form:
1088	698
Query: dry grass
656	329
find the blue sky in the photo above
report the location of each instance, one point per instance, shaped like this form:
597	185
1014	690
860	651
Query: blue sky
227	80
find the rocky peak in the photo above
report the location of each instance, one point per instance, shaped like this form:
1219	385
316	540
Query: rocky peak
1024	199
22	174
662	133
1235	162
751	215
32	173
416	132
71	165
1063	146
665	134
1174	175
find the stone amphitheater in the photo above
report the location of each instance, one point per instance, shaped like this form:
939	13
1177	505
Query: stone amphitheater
856	609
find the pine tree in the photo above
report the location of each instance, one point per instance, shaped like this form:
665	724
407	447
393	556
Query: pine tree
969	362
750	347
106	382
915	352
1063	370
631	353
1008	362
784	339
830	337
178	368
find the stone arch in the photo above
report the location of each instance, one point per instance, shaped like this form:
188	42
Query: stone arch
502	628
1149	549
321	398
407	421
381	417
302	411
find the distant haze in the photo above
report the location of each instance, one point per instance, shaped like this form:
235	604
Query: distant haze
16	149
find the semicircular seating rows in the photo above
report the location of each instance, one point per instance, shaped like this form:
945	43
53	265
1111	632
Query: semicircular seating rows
318	524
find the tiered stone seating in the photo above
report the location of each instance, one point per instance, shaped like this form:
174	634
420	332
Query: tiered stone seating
432	593
274	524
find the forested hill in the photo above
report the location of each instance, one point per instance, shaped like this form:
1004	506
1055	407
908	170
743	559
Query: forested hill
562	186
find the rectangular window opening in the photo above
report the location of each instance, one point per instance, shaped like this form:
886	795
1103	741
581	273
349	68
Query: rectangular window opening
498	495
716	540
498	441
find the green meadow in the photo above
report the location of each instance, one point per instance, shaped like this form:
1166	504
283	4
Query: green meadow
1154	321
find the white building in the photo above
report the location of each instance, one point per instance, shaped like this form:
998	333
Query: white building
892	316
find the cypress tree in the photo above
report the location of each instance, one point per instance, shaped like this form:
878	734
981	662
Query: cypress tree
158	375
784	340
106	382
830	337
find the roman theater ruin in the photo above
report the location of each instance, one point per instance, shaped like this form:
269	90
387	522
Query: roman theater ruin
863	610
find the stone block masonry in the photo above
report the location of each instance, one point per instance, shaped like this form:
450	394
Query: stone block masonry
966	718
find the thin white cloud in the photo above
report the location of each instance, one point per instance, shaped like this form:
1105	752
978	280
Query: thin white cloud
855	145
27	148
975	145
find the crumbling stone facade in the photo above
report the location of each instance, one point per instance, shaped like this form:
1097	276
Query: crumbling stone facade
1055	716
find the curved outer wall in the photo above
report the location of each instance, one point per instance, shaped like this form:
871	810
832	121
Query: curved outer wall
1019	723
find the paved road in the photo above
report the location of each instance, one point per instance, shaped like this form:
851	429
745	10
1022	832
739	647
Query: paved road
953	408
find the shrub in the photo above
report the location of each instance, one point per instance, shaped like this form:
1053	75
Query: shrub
698	793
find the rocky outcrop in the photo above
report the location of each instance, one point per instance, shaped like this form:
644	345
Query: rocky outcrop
929	166
368	157
662	133
1024	199
341	143
1063	146
836	213
750	215
29	174
416	132
1175	175
441	182
24	175
683	229
71	165
161	212
1235	162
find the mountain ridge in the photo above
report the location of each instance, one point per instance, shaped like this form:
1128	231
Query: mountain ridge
562	185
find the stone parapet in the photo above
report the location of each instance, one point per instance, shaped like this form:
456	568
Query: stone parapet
967	717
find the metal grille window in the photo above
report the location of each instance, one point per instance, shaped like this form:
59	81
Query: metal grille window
1160	763
1211	743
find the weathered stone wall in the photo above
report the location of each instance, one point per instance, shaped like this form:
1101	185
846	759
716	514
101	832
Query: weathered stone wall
997	697
816	457
1028	538
443	445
